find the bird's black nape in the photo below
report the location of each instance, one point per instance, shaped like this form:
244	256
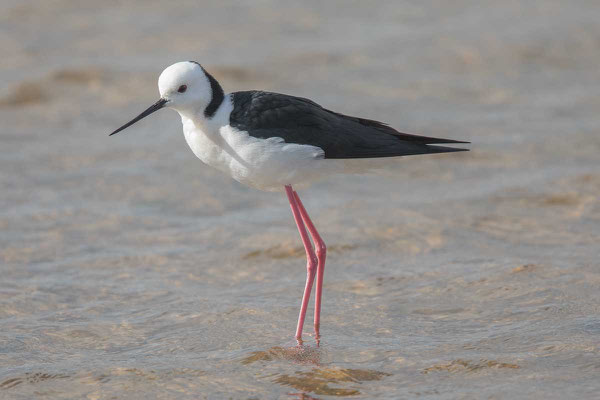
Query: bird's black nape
217	93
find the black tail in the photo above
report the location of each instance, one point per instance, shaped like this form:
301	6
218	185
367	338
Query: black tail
425	139
444	149
401	148
383	127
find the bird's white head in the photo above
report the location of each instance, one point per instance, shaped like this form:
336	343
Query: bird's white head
187	88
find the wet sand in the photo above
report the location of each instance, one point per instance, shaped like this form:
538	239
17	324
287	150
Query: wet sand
131	270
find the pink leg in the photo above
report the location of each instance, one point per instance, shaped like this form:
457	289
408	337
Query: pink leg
311	259
321	251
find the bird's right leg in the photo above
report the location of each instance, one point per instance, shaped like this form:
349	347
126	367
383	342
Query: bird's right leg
320	252
311	259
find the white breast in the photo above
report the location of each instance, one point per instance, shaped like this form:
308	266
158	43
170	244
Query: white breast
266	164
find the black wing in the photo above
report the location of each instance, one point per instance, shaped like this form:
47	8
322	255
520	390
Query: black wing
302	121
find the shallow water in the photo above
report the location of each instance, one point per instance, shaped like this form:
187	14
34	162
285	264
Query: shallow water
130	270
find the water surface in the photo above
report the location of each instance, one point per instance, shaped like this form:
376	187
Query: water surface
130	270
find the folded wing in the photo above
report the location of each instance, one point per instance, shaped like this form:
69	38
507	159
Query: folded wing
302	121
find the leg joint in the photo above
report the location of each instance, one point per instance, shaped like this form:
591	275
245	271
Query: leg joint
321	249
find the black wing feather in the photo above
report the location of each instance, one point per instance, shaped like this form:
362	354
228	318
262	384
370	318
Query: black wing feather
302	121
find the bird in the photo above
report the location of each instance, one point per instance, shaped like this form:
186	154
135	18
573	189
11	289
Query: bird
273	142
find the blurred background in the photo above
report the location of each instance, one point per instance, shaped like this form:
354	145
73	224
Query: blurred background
131	270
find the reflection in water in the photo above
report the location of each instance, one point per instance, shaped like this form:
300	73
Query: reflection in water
298	354
318	380
303	396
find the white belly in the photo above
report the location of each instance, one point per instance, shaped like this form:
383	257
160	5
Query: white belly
266	164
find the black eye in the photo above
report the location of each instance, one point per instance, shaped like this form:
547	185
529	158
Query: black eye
182	88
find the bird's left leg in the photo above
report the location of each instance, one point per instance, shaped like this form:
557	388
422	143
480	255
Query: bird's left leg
311	259
321	252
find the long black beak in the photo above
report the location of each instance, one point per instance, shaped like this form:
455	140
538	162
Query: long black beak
154	107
